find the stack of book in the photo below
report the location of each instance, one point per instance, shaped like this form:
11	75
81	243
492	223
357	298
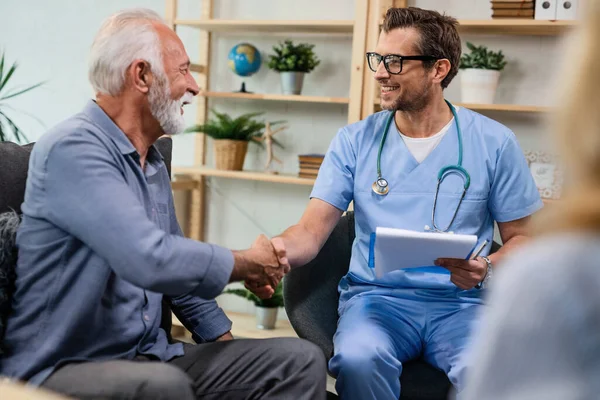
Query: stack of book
513	9
309	165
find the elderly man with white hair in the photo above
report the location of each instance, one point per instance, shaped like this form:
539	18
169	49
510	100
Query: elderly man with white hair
100	248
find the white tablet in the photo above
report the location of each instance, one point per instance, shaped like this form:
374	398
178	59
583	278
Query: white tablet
393	249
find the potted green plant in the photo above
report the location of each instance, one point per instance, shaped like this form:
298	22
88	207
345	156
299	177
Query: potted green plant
481	73
293	62
231	136
266	310
7	125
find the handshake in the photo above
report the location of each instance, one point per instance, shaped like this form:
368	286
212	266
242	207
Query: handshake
262	266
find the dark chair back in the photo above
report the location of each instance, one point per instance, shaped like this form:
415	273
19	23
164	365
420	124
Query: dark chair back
165	147
311	301
310	293
14	164
14	161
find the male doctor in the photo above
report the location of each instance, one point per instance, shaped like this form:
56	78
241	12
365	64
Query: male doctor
425	311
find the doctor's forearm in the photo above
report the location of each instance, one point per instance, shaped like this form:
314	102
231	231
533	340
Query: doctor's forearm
300	244
509	246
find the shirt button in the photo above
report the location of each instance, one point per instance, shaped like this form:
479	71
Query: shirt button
146	317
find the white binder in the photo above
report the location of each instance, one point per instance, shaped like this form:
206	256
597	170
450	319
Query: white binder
546	9
567	9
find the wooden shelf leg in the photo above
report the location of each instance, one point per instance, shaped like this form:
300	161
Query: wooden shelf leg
198	195
358	60
171	13
197	210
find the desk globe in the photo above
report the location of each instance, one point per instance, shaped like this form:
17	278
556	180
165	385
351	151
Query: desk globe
244	60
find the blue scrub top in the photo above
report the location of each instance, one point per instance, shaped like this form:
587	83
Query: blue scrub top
502	189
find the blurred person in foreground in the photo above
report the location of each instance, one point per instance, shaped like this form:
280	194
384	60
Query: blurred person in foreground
100	248
540	336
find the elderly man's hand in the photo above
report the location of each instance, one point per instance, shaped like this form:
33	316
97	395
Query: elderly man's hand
464	273
260	267
265	290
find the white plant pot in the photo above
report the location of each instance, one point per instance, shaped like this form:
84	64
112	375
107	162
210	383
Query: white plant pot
266	317
479	85
291	82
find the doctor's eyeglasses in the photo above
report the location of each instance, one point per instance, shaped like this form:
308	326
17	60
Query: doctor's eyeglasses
392	62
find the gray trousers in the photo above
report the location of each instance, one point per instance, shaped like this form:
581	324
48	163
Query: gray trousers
282	368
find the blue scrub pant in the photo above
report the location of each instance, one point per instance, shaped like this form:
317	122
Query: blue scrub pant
377	333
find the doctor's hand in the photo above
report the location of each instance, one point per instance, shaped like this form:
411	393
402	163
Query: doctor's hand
464	273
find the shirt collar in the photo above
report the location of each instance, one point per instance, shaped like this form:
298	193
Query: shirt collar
97	114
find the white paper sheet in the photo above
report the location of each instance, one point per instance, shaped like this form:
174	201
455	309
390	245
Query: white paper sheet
398	248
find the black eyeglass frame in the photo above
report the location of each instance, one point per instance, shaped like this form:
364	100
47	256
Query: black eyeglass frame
398	56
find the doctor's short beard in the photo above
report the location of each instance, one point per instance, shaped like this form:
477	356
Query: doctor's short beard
411	99
166	110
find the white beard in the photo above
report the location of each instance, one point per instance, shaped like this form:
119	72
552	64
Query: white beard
166	111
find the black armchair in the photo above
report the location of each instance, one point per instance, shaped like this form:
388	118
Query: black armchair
311	302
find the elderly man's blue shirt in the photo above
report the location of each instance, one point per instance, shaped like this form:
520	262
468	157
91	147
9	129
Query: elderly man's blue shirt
99	246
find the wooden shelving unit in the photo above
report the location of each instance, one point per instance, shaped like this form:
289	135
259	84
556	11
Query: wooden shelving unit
525	27
278	97
362	100
193	179
243	175
496	107
506	107
514	27
271	26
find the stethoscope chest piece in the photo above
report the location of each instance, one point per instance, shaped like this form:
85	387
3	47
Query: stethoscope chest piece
380	187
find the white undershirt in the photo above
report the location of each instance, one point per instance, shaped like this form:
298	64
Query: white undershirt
420	148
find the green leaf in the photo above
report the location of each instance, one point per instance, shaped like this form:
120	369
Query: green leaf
482	58
8	125
17	133
290	57
20	92
275	301
4	80
3	136
223	126
2	66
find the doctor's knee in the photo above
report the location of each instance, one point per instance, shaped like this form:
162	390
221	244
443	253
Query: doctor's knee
359	361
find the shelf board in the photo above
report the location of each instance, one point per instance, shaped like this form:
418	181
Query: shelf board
197	68
271	26
277	97
261	176
497	107
244	175
515	26
505	107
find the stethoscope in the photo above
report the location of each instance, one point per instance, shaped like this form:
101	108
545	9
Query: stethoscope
381	185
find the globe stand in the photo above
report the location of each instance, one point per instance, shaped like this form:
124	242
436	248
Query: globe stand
243	89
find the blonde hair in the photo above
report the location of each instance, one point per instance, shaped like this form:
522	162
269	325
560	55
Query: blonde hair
577	132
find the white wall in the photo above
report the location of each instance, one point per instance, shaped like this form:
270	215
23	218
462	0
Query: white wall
50	40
